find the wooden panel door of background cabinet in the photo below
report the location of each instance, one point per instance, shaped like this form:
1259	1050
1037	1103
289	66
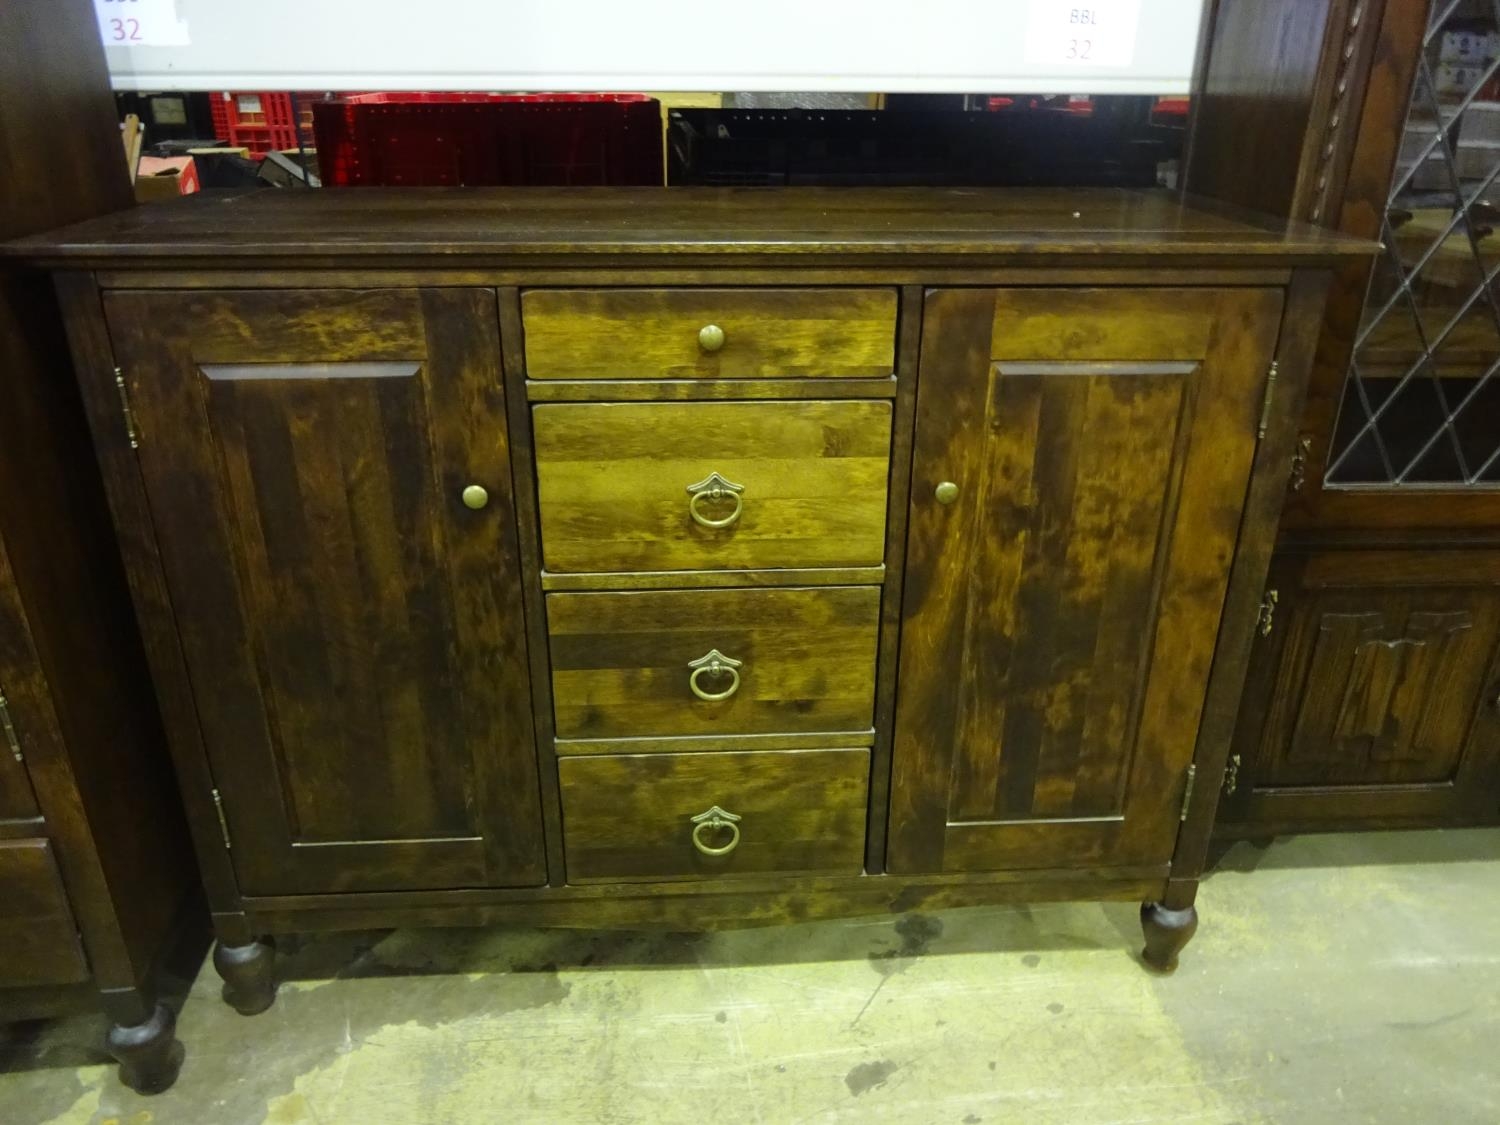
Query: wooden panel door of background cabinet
1060	614
353	631
1376	695
20	681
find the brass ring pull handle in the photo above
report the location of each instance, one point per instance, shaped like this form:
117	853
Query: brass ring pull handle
716	818
715	487
715	664
711	337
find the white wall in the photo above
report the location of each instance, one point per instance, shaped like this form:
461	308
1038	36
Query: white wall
971	46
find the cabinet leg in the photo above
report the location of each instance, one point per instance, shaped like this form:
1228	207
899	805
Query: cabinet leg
249	975
1167	931
149	1054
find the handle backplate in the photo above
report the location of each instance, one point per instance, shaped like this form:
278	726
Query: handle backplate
716	818
714	664
715	487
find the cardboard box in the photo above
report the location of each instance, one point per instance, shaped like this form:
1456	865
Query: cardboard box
1481	123
165	177
1476	160
1468	47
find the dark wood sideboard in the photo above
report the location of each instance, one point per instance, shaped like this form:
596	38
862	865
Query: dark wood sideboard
609	558
96	871
1373	699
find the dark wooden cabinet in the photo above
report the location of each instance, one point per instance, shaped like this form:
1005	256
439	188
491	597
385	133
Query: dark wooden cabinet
1362	707
97	884
1378	691
351	610
741	561
1080	466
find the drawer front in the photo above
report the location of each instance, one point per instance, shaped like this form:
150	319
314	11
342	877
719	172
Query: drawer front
709	333
632	486
38	935
637	816
713	662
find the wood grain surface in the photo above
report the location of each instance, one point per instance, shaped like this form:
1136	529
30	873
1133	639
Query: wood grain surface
1060	616
1374	695
614	478
354	631
620	661
767	333
38	933
683	226
630	817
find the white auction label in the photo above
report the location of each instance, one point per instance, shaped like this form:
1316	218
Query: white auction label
1082	34
140	23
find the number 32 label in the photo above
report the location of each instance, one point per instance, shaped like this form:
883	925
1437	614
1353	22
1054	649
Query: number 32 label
140	23
1073	33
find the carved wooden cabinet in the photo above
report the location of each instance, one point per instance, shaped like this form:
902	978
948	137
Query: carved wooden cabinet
692	558
1371	687
97	884
1378	694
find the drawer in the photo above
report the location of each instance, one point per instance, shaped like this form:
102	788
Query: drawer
660	816
708	333
38	935
631	486
713	662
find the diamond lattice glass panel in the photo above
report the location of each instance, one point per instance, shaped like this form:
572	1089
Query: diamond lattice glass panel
1421	403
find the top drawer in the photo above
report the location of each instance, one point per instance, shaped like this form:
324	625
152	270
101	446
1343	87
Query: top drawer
709	333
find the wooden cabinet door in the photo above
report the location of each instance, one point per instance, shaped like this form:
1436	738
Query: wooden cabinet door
1060	613
352	630
1374	698
20	680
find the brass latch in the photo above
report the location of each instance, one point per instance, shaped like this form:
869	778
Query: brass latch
1232	775
1266	620
1299	463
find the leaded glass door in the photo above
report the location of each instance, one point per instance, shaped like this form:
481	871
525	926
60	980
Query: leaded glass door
1420	408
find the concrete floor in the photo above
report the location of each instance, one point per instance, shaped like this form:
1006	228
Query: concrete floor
1342	978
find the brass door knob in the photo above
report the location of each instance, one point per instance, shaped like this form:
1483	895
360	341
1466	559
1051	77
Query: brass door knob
475	496
946	493
711	337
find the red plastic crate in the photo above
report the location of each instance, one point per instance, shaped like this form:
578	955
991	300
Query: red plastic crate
261	120
443	139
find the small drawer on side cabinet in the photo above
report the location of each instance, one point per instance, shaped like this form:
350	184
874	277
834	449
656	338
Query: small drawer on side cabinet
38	935
709	333
684	816
667	663
659	486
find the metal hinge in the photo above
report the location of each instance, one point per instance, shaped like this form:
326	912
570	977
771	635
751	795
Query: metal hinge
1299	463
223	820
1266	618
1265	405
1187	791
11	738
130	430
1232	775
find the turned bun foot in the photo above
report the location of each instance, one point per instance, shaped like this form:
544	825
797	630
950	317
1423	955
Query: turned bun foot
149	1054
249	978
1167	931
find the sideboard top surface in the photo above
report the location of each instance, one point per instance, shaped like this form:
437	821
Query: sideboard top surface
530	224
